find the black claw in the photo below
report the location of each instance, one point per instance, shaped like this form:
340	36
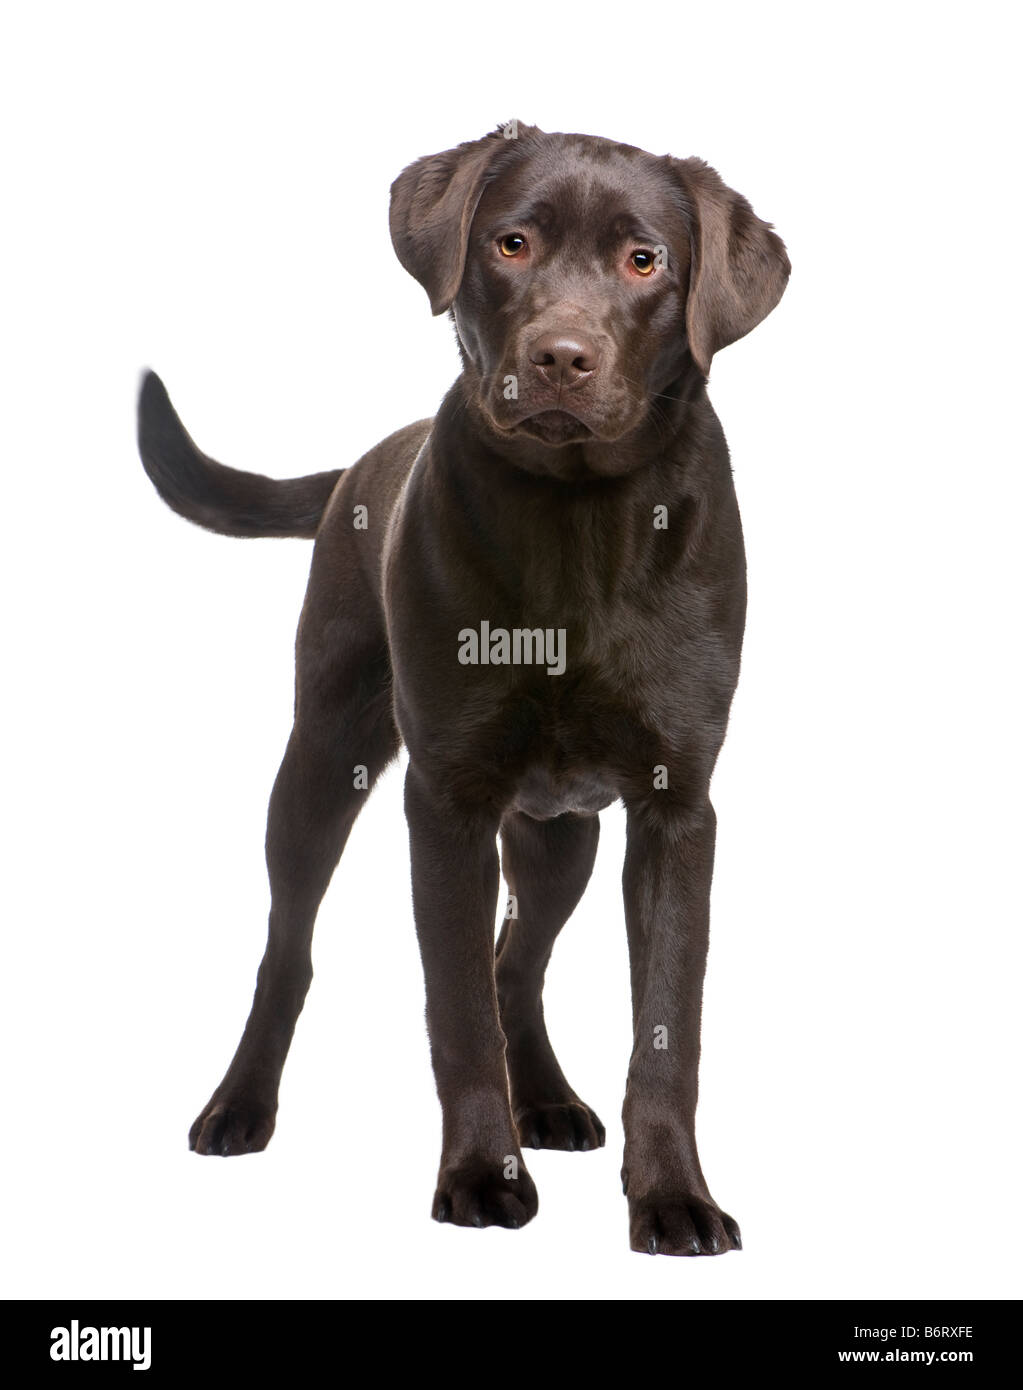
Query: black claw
585	1145
651	1245
477	1220
695	1247
534	1140
732	1232
442	1211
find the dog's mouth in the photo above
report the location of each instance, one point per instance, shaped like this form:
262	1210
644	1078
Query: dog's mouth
555	427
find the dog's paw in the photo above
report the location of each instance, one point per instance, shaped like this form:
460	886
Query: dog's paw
567	1125
479	1194
680	1224
229	1127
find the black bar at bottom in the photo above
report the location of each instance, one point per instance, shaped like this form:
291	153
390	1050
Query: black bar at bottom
194	1342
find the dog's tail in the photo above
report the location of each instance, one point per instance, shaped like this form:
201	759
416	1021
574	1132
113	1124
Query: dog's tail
222	499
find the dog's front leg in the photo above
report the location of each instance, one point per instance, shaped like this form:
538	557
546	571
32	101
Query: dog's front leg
482	1179
668	864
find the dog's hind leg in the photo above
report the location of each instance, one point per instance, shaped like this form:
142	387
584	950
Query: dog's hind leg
547	865
343	737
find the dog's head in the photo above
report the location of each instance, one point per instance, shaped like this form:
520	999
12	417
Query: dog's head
589	281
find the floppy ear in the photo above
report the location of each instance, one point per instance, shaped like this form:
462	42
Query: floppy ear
432	206
739	267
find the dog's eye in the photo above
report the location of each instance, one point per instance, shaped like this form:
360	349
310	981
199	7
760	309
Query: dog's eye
512	245
642	261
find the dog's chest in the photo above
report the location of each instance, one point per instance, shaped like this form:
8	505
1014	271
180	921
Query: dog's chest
588	675
573	742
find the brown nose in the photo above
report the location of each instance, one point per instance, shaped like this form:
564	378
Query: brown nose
563	359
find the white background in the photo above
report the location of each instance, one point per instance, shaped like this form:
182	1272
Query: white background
203	189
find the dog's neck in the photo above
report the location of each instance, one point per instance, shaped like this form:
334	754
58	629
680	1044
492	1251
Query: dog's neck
522	525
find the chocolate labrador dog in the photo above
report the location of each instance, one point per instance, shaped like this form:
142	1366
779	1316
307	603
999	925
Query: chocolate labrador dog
541	592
